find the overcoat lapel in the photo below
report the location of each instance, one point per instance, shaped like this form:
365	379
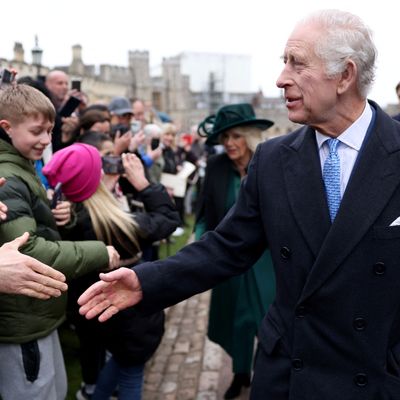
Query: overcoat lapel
373	181
305	189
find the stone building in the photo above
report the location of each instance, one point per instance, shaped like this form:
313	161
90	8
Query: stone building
170	91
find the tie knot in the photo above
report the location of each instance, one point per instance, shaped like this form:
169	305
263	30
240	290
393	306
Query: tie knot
332	143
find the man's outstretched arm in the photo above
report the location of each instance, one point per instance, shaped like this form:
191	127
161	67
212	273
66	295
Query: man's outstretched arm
21	274
115	291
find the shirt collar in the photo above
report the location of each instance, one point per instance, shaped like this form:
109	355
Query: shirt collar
354	135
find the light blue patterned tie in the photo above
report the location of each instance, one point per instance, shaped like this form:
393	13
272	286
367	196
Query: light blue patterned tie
331	175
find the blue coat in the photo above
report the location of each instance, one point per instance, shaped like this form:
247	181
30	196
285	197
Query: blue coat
333	331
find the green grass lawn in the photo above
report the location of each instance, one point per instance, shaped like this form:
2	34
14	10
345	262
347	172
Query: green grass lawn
69	340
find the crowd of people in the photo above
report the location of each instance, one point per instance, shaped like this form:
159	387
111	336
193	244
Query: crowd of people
83	191
297	236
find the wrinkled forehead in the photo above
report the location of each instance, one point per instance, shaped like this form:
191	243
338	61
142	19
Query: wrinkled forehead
303	39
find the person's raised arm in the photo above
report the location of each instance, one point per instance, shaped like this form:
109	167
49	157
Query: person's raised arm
21	274
115	291
134	171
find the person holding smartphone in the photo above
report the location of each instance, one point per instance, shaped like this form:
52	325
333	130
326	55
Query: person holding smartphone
121	116
28	329
65	100
133	337
57	82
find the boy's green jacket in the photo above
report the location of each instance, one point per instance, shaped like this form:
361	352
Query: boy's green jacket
22	318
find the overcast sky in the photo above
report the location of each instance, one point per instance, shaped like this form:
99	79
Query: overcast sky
108	29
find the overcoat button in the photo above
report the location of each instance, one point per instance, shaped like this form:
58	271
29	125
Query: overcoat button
359	324
361	380
300	311
297	364
379	268
285	253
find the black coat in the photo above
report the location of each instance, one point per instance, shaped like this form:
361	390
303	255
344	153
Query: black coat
212	200
133	336
333	331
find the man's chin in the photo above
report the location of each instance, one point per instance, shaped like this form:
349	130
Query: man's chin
296	117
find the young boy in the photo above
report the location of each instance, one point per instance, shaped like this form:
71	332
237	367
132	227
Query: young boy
31	362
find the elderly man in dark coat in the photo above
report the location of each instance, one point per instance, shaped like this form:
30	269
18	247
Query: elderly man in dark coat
326	201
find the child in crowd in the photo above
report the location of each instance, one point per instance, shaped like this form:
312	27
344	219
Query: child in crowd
31	361
131	337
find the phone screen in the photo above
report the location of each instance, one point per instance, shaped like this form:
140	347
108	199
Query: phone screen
112	165
57	195
155	143
69	107
6	78
76	84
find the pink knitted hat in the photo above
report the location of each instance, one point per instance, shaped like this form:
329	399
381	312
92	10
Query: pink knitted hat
78	168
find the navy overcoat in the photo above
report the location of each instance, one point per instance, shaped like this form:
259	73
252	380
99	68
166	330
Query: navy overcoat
333	332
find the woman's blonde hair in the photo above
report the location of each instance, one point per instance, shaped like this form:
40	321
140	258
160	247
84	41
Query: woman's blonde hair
110	221
168	127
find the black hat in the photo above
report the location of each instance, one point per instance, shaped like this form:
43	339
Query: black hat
228	117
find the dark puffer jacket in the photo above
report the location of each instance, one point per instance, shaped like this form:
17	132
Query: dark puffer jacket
22	318
131	336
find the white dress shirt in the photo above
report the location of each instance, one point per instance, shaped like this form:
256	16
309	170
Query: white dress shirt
349	145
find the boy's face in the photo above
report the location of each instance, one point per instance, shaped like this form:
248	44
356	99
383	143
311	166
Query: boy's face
29	137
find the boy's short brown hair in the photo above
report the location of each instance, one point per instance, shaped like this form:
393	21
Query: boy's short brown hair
18	102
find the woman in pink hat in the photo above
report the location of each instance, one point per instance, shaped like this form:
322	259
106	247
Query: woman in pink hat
131	338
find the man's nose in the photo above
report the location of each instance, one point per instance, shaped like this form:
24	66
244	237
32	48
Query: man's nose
283	78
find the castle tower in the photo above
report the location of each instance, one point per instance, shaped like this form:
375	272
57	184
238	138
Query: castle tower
139	64
18	52
176	85
77	67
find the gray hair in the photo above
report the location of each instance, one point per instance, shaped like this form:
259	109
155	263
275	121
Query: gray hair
252	134
152	130
346	37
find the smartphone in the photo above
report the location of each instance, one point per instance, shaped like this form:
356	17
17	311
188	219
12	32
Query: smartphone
136	126
112	165
155	143
6	77
76	84
69	107
57	195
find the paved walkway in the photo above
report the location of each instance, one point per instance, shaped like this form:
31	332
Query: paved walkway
187	365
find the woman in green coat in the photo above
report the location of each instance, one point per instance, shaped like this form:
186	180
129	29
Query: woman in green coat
237	305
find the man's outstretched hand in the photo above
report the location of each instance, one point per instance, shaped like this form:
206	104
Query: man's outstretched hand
21	274
115	291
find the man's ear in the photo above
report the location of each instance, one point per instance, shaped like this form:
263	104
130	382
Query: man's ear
348	77
5	124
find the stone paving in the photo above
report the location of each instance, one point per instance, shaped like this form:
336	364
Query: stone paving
187	365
